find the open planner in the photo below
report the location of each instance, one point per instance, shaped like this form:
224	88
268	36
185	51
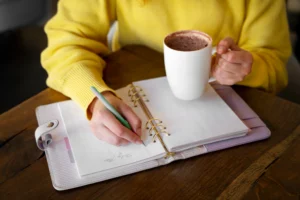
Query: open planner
172	129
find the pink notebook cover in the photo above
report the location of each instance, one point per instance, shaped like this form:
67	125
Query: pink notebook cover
63	169
259	130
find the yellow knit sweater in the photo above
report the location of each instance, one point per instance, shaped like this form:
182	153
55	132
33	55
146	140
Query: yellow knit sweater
77	36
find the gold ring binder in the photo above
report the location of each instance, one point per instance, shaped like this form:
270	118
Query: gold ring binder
154	125
158	124
136	93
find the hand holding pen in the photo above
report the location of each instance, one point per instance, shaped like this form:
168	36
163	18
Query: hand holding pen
114	121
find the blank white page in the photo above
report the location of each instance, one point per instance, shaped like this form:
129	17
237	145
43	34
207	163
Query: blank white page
93	155
204	120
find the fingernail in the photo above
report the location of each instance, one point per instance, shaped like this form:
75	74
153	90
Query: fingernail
138	142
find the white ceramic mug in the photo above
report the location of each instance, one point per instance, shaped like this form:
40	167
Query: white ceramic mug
188	71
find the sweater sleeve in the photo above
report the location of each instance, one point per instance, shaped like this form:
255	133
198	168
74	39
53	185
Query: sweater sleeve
265	34
76	42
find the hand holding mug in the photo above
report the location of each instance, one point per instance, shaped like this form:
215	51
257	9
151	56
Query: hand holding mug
232	63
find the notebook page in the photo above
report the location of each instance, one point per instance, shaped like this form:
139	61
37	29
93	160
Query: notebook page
93	155
205	120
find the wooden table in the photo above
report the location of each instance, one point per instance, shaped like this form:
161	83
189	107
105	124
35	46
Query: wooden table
269	169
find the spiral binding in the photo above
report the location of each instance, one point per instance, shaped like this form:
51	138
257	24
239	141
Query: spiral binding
154	125
136	93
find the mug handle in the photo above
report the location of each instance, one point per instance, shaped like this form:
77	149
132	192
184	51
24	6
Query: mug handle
212	79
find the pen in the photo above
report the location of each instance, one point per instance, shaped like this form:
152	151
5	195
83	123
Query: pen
121	119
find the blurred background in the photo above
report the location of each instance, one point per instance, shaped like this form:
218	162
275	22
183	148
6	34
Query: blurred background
22	39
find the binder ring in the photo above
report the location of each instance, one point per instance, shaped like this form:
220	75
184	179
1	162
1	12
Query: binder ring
135	99
136	93
156	127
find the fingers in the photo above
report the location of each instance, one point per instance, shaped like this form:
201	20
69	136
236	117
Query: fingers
233	63
104	134
234	68
226	44
118	129
106	126
132	118
226	78
243	57
228	73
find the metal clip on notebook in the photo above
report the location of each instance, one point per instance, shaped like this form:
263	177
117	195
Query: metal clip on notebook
154	125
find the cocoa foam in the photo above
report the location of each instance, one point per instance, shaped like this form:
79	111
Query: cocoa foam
187	41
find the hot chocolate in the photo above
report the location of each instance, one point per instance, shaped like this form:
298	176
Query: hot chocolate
186	41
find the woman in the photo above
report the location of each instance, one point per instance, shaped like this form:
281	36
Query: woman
255	31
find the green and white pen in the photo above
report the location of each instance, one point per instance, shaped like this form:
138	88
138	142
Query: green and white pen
120	118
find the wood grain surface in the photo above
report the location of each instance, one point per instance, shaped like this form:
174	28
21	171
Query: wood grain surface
267	169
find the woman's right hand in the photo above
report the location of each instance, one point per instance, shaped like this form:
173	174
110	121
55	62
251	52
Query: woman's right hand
106	127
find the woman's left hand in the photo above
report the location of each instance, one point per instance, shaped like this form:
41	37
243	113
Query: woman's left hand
232	63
